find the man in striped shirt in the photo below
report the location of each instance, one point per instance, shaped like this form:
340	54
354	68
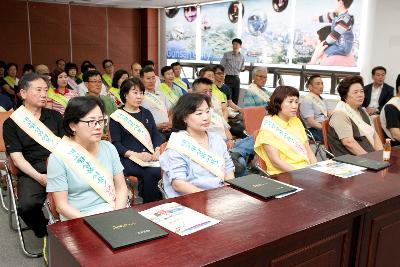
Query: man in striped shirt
340	40
233	62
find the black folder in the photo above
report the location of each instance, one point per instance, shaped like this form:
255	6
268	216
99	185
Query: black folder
124	227
261	186
363	162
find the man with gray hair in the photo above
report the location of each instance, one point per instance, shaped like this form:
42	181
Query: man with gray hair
256	94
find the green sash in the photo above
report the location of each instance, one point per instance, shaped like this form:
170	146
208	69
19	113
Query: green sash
115	92
107	79
11	81
218	94
255	90
268	124
185	144
172	97
181	84
59	98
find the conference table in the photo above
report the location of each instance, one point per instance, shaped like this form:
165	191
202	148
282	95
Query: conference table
332	222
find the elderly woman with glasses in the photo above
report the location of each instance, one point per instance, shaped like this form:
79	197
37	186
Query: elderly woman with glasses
74	194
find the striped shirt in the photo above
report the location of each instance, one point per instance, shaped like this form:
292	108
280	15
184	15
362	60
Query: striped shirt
233	63
341	23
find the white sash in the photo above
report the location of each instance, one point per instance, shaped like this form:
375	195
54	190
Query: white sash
134	127
362	126
318	102
185	144
2	109
155	101
293	142
86	166
35	128
395	101
73	84
253	88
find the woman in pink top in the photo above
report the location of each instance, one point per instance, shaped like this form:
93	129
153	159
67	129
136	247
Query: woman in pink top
59	95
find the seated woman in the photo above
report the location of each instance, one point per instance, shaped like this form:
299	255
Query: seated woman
119	77
351	130
134	134
194	159
282	141
57	99
94	183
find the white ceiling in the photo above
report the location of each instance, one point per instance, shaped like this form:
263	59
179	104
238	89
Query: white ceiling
129	3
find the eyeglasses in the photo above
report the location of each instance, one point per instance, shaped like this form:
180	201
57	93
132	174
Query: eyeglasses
98	82
93	123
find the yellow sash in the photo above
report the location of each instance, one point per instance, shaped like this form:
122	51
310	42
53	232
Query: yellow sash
364	127
318	102
86	166
107	79
291	141
115	92
395	101
11	81
218	94
59	98
255	90
172	97
35	128
155	100
185	144
181	84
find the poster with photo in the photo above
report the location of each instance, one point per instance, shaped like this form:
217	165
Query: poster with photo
266	31
181	33
219	24
314	41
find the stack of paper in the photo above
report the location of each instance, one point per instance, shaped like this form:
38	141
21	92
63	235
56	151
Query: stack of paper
342	170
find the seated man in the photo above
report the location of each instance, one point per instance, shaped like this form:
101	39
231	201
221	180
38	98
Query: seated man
135	70
351	130
108	75
93	82
178	81
28	155
314	109
82	89
156	102
378	93
390	116
256	95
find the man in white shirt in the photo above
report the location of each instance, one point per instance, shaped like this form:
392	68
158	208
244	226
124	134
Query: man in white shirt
378	93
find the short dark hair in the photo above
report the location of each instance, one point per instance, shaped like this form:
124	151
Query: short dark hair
117	75
2	64
90	73
105	61
26	79
84	63
205	69
88	66
201	81
311	79
77	108
278	96
378	68
165	69
397	83
218	67
28	67
186	105
127	85
146	69
347	3
54	77
344	85
69	66
58	60
148	62
237	40
175	64
9	65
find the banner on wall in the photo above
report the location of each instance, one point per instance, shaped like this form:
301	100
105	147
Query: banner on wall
266	31
322	37
181	33
218	28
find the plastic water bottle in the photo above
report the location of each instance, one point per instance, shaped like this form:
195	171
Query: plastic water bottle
386	150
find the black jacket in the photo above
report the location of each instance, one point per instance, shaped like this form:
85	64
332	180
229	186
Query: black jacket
386	95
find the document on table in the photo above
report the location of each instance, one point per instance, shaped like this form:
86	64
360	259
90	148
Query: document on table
339	169
178	219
